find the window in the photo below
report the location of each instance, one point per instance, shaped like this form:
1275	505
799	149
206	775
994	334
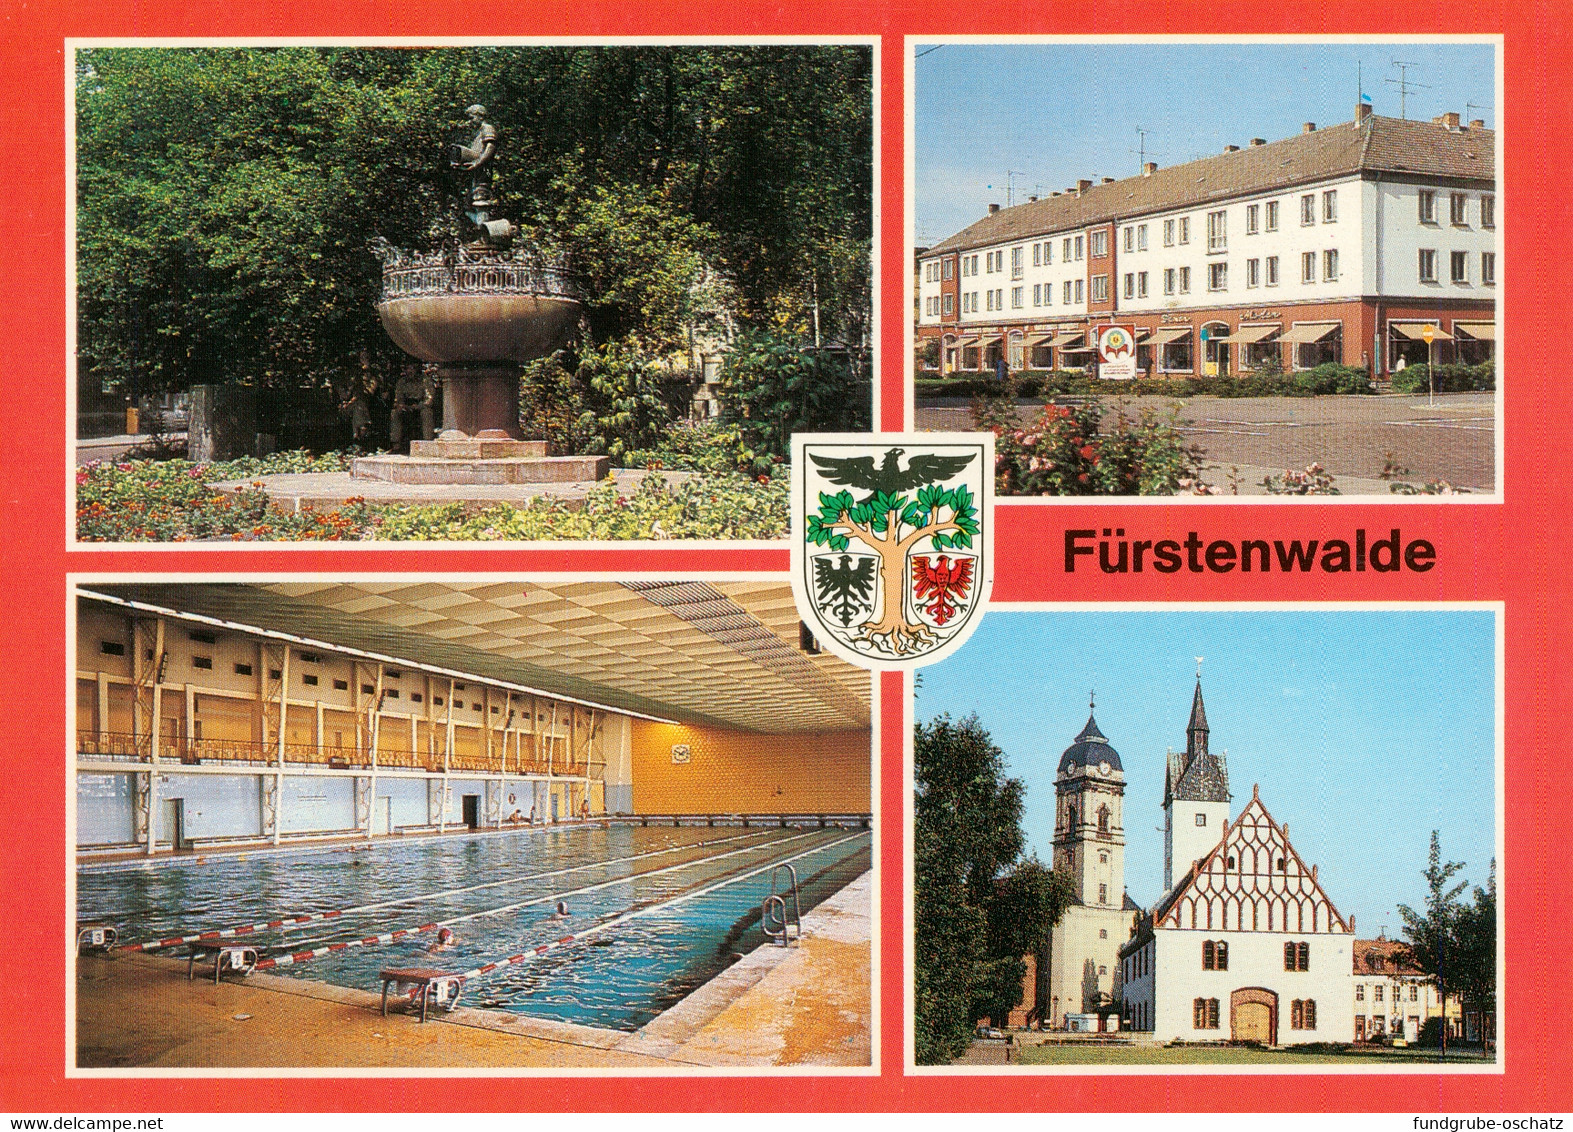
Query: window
437	701
949	271
1217	276
1302	1014
1272	216
1037	255
1141	237
1377	991
368	690
1130	239
275	674
1130	283
1015	297
1037	294
341	685
1081	243
309	679
1308	267
242	669
1329	265
1253	218
1488	211
1458	267
1081	288
202	662
1103	894
1330	206
1308	209
1205	1014
1168	281
1015	263
1048	252
1488	268
1427	206
1456	203
1103	826
1065	250
1414	992
391	693
950	304
1223	956
1141	284
1217	231
203	638
1201	819
999	298
1168	233
1428	265
1185	229
1272	271
1103	933
1100	288
415	697
1297	957
1253	272
1185	281
1359	992
111	648
1100	244
1067	297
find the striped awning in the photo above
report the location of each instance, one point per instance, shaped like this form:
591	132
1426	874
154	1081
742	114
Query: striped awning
1168	334
1249	334
1482	331
963	343
1067	338
1415	331
1034	340
1306	332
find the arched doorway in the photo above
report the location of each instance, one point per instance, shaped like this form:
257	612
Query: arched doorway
1253	1016
1215	361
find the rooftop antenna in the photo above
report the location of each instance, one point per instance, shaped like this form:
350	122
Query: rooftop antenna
1404	85
1010	186
1471	107
1141	150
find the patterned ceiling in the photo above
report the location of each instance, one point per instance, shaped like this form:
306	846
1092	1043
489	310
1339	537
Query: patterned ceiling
716	653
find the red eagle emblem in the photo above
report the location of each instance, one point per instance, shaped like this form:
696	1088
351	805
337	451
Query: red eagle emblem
939	583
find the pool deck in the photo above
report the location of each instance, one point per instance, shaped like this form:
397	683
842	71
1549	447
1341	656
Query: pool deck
809	1005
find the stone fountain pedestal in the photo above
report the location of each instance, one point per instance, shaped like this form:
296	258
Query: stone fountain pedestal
479	315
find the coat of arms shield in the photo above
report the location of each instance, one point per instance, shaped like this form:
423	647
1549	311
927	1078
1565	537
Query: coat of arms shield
892	542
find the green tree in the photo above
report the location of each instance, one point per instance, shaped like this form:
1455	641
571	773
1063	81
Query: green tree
773	385
1433	933
975	916
1475	949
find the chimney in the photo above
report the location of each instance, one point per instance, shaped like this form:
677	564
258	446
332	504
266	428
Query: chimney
1108	180
1231	149
1032	198
1258	141
1082	185
1149	168
1477	123
1362	112
1308	128
1450	120
1055	193
993	208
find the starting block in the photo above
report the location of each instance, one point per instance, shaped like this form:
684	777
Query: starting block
432	986
95	937
236	958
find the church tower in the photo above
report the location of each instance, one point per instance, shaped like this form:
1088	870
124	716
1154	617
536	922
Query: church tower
1195	796
1089	830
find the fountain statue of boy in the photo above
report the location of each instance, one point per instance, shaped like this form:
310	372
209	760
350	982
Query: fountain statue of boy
477	157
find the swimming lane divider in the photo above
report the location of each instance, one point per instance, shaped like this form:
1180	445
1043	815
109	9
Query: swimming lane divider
288	922
308	954
606	925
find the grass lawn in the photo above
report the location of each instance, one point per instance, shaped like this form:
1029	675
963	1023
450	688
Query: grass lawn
1227	1055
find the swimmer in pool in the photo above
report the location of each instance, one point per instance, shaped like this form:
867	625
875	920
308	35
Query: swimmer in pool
562	910
445	940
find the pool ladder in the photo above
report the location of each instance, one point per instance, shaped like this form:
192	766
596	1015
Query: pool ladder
782	922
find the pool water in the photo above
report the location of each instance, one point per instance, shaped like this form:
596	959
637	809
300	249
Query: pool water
697	892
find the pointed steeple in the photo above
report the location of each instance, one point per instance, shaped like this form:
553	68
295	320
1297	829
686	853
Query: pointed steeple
1196	731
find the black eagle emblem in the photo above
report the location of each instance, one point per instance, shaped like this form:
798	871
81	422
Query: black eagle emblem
845	589
889	477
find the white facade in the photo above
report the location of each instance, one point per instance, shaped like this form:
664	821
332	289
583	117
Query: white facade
1191	830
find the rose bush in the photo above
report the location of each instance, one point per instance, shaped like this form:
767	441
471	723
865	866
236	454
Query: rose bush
1082	450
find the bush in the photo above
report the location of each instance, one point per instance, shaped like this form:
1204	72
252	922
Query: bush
708	446
1451	378
772	386
1315	480
1268	381
1076	450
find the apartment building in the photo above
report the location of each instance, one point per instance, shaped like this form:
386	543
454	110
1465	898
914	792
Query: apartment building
1340	244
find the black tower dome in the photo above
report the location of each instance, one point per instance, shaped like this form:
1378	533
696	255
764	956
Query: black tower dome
1089	750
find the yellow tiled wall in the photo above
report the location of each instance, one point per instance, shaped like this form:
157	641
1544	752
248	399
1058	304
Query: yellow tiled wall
740	772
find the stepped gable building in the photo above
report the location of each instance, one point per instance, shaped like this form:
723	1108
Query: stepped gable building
1340	244
1245	945
1077	972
